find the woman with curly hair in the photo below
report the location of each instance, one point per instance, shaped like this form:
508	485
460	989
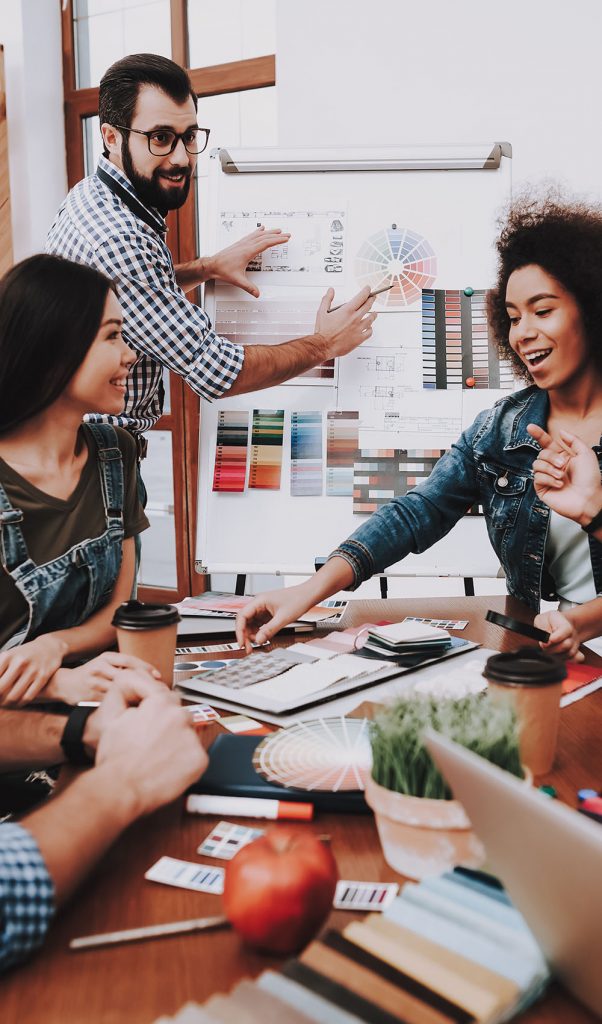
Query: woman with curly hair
546	313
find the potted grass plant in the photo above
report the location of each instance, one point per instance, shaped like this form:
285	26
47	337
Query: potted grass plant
422	830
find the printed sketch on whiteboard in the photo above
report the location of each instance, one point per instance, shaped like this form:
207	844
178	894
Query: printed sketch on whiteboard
314	254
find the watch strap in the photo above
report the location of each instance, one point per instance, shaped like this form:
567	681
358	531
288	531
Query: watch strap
72	738
595	524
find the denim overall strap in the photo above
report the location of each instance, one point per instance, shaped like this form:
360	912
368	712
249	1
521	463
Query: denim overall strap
13	549
110	469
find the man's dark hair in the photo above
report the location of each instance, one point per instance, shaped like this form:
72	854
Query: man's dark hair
564	237
120	84
50	313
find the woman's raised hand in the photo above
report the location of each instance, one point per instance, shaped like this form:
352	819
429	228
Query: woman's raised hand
566	475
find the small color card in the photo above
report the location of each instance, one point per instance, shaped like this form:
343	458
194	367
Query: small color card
226	839
440	623
241	725
201	713
186	875
364	895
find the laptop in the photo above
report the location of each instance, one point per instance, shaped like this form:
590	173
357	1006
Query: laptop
548	856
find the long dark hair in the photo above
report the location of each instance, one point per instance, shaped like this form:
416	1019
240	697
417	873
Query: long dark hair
50	313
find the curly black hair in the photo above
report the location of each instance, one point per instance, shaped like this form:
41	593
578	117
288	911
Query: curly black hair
564	237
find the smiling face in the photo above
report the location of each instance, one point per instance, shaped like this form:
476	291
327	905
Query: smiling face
160	181
100	382
546	328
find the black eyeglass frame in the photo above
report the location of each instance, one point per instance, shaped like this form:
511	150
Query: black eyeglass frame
177	137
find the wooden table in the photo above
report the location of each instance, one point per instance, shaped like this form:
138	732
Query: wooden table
137	983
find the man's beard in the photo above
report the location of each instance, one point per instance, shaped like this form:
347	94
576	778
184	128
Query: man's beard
150	191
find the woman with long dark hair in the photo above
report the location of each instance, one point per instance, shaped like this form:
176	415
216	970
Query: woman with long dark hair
68	502
546	313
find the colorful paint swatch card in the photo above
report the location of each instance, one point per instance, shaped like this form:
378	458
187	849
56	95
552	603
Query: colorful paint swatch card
439	623
306	453
383	473
342	442
226	839
202	713
458	350
266	449
185	875
374	896
231	448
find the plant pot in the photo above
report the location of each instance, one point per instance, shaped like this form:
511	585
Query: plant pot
422	837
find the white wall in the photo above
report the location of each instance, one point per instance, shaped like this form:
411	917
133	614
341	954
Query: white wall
394	71
30	31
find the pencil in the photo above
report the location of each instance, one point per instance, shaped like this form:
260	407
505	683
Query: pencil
153	931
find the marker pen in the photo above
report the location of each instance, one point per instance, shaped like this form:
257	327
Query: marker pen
249	807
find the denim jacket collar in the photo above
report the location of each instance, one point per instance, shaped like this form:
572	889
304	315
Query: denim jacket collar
534	410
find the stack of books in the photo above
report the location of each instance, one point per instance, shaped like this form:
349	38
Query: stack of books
399	638
449	949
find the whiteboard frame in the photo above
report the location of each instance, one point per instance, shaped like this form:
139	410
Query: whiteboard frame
484	156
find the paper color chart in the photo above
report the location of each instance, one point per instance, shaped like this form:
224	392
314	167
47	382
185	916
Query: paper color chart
457	349
306	453
266	449
397	256
270	322
383	473
341	451
231	451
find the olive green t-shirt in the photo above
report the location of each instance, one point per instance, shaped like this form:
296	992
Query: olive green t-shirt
51	526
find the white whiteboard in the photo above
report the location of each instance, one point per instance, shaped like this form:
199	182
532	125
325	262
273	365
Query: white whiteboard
449	196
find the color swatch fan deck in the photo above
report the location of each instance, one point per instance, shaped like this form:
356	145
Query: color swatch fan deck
331	754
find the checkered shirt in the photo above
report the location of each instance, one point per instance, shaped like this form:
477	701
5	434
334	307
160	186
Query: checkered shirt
26	895
94	226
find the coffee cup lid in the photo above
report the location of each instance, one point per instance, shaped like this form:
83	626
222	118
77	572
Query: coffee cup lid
525	667
138	615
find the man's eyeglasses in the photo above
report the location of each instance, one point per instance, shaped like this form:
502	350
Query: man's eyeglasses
163	141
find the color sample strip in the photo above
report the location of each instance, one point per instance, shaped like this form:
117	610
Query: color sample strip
380	474
231	447
458	350
341	451
306	453
226	839
266	449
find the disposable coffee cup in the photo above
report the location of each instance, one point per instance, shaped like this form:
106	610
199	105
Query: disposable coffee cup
530	681
148	631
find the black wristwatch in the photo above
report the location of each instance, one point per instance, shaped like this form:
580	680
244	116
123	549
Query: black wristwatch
595	524
71	740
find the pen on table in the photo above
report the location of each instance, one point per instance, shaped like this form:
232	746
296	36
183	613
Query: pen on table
377	291
249	807
152	931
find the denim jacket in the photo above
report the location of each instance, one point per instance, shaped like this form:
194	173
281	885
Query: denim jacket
490	464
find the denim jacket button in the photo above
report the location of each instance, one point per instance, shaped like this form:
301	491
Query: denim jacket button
502	481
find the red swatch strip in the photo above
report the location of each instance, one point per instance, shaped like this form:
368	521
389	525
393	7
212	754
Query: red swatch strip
231	451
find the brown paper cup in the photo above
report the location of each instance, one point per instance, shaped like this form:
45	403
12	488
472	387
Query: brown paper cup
148	631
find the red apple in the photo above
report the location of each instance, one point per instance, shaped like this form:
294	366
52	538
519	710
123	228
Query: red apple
278	890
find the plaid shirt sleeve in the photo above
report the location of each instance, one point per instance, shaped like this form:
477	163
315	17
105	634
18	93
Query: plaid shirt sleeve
26	895
160	320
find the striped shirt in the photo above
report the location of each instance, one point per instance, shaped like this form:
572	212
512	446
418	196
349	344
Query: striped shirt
95	226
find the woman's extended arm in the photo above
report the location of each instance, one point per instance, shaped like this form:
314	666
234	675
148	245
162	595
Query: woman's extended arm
25	670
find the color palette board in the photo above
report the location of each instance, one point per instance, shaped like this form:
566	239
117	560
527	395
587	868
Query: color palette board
400	257
231	448
342	439
384	473
458	351
329	754
266	449
306	453
271	322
